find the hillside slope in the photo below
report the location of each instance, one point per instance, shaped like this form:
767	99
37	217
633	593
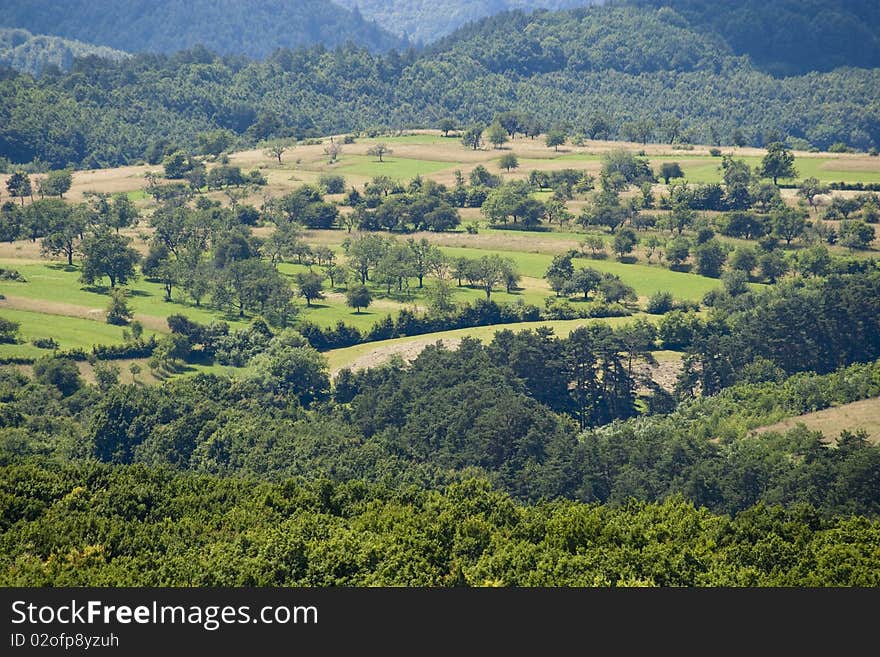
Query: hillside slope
29	53
245	27
789	37
425	21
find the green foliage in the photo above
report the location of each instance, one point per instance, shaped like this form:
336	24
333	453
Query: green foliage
289	366
8	331
778	163
118	310
60	524
23	51
62	373
358	296
108	254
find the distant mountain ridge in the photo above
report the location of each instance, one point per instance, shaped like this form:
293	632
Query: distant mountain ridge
600	72
29	53
254	28
425	21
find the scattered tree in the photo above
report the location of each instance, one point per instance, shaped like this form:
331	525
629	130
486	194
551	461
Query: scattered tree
108	254
379	150
508	161
555	138
669	170
358	296
310	285
777	163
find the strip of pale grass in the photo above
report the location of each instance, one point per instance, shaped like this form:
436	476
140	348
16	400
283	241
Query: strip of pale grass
339	358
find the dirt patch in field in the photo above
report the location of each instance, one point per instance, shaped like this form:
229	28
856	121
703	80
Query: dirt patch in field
53	308
664	372
110	181
851	163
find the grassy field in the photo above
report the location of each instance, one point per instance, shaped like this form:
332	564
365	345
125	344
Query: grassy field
645	279
429	154
397	168
58	288
69	332
863	414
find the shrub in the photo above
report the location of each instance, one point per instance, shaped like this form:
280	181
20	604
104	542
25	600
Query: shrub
59	372
11	275
8	331
45	343
660	303
118	310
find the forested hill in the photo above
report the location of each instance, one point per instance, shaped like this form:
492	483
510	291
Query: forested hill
789	37
245	27
23	51
424	21
597	71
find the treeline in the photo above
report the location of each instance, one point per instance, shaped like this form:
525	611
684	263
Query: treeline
99	525
789	37
646	75
797	326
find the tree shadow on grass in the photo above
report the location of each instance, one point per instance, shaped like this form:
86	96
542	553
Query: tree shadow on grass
105	289
61	266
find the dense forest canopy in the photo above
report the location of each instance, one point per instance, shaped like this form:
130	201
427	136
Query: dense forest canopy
790	37
595	70
253	28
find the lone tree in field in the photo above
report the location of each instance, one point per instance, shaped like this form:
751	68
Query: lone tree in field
497	135
473	137
555	139
276	151
19	186
357	297
811	188
669	170
380	150
446	125
310	286
624	242
108	254
56	183
508	161
777	163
